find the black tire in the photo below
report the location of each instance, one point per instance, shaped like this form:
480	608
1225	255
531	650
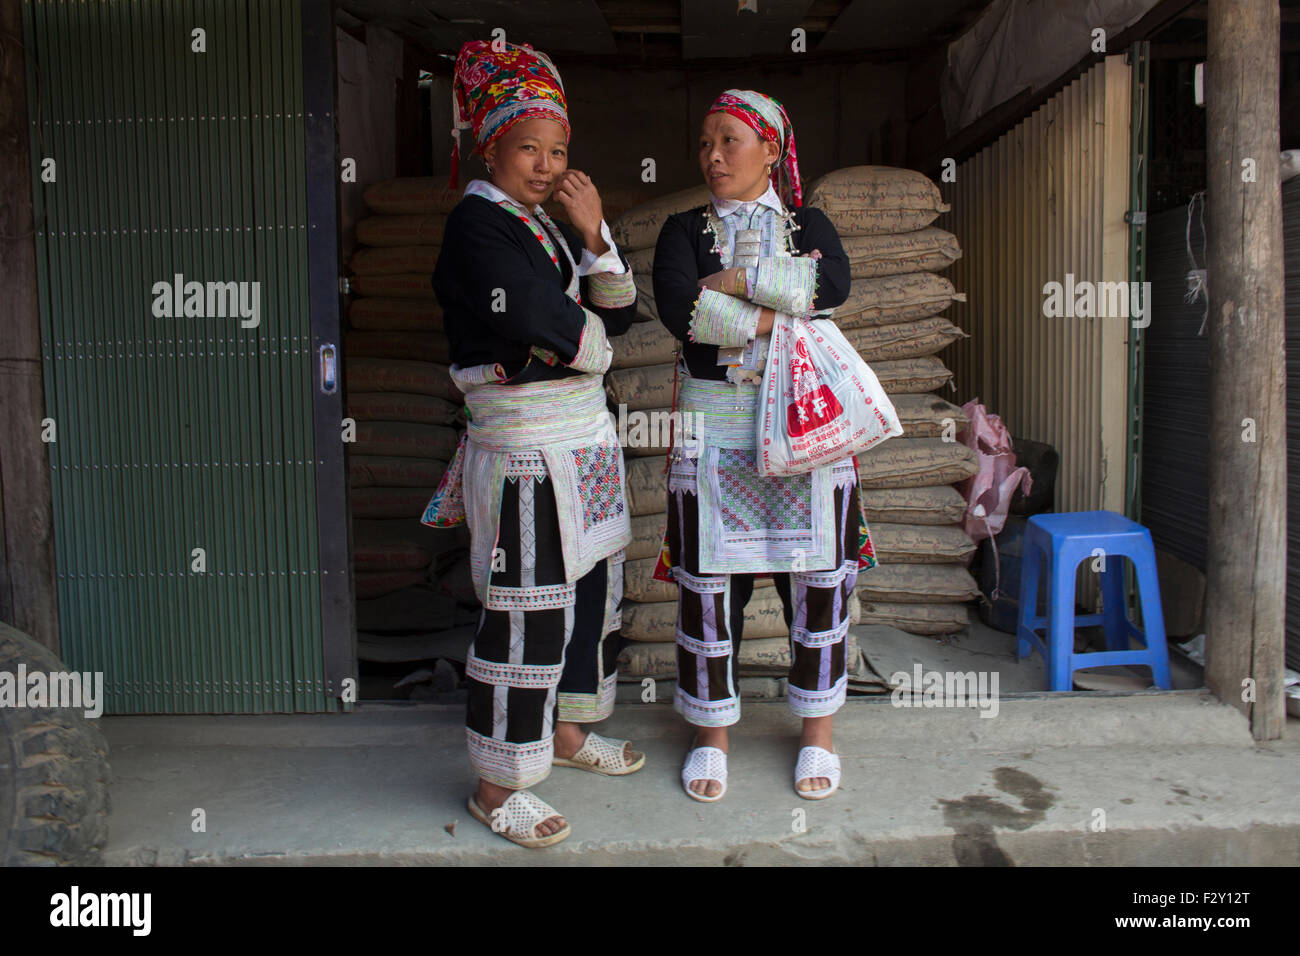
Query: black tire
54	773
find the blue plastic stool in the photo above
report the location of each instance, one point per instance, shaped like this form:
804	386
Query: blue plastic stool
1063	540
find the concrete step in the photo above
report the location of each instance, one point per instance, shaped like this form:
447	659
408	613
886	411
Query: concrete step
1151	779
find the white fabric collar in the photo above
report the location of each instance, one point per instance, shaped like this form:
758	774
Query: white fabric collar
493	192
726	207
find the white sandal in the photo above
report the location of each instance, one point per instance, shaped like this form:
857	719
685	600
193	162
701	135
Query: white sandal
705	763
603	755
518	817
817	762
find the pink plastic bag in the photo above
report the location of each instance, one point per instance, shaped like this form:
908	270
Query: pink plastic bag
988	492
820	402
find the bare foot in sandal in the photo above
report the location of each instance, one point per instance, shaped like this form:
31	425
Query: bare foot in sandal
816	733
569	738
490	796
709	737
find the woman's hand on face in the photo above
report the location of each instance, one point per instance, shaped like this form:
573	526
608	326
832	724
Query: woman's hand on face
578	195
728	281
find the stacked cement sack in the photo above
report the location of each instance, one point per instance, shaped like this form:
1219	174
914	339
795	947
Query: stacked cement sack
892	317
407	413
640	387
636	232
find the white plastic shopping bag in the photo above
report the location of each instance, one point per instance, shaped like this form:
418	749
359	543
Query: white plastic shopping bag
819	403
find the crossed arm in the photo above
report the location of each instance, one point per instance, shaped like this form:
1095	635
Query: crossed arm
730	307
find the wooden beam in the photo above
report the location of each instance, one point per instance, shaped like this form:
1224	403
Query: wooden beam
828	8
1245	605
630	9
619	26
657	51
641	17
27	593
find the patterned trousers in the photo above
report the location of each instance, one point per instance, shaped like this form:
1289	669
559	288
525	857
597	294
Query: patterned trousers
544	650
710	620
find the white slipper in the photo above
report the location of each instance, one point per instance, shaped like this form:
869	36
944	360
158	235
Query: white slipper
705	763
817	762
518	817
601	755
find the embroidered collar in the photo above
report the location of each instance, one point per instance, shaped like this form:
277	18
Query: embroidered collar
493	192
725	207
783	239
544	231
539	224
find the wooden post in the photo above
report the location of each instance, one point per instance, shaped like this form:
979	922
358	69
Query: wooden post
27	596
1246	572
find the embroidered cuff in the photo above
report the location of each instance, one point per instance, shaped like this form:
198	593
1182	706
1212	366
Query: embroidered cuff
594	351
588	708
610	290
725	320
785	284
606	261
476	375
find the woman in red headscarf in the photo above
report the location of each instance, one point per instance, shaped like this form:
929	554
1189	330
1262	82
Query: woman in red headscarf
722	272
528	305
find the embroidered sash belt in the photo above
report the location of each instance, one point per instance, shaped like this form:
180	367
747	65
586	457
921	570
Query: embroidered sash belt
567	423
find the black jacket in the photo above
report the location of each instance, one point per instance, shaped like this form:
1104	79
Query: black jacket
489	258
684	255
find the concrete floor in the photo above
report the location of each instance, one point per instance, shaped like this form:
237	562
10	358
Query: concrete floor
1152	779
982	648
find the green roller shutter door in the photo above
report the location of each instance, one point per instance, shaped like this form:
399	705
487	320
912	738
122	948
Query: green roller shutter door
183	465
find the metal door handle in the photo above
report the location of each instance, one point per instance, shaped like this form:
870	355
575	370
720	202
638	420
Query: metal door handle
329	368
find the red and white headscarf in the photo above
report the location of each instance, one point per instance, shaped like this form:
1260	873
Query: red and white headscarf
767	117
498	84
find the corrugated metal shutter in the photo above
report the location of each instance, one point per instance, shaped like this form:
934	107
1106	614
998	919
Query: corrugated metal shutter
1175	474
175	434
1175	401
1044	201
1291	239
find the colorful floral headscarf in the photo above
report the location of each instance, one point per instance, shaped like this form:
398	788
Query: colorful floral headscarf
767	117
493	89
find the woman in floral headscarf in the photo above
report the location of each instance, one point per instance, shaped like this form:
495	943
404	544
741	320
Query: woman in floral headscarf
721	274
528	305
